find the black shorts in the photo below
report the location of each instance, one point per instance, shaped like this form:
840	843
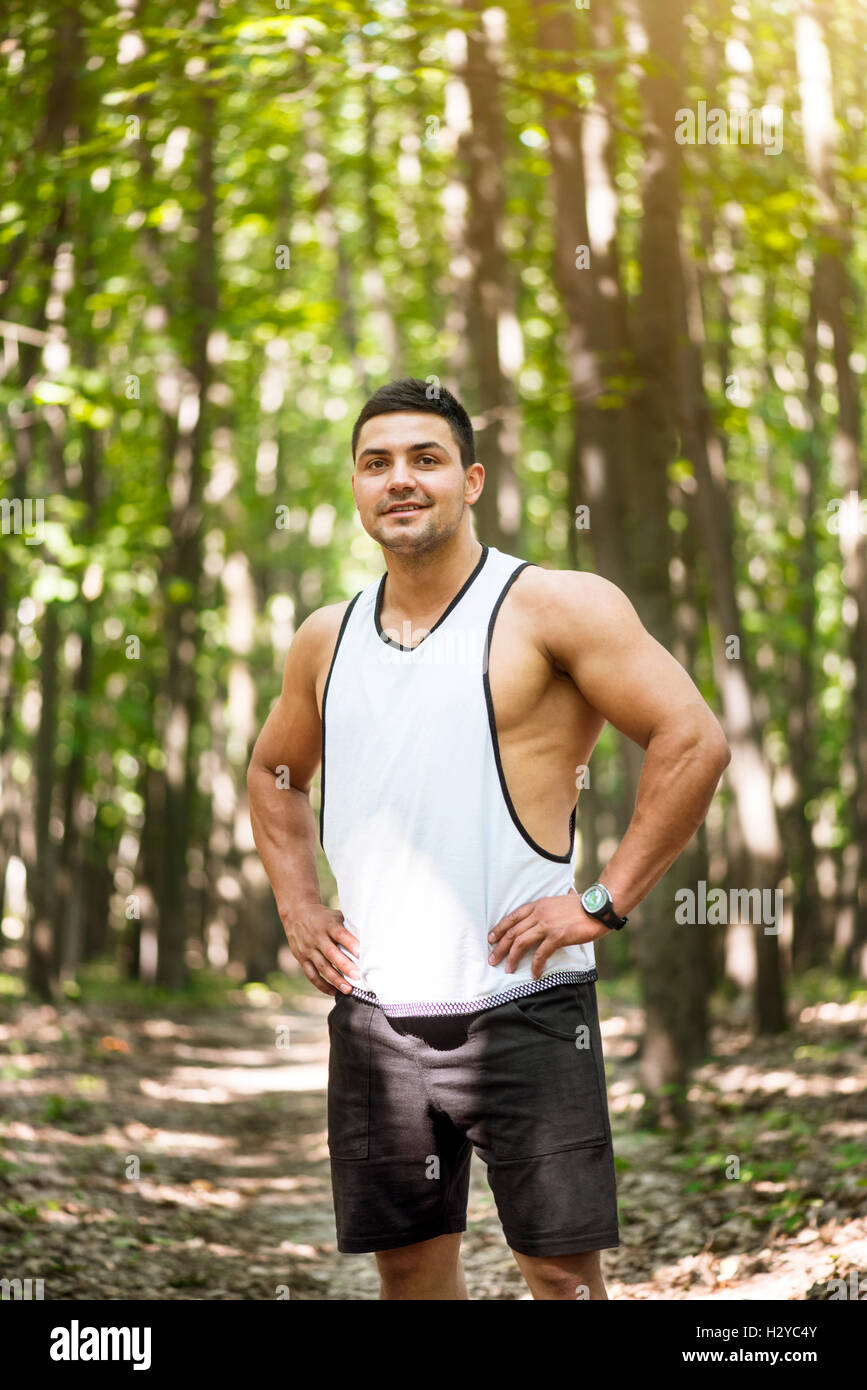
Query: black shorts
523	1084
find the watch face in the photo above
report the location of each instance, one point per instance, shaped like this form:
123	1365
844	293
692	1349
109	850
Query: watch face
594	898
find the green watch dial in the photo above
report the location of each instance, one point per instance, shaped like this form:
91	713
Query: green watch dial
594	898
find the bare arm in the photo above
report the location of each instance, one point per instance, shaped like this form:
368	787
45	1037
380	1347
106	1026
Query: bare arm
282	766
645	693
589	627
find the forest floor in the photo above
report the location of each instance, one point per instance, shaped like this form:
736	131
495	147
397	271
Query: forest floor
232	1199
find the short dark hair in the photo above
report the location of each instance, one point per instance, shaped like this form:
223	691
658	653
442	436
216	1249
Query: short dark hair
412	394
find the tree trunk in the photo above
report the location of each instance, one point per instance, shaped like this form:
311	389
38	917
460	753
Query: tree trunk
181	579
749	774
492	325
834	299
67	60
593	302
803	718
663	962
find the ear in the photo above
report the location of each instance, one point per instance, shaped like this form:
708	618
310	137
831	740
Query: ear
473	482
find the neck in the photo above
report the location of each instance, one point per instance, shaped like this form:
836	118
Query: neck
420	582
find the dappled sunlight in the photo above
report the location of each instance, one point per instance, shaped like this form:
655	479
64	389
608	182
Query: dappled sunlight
171	1141
227	1083
227	1127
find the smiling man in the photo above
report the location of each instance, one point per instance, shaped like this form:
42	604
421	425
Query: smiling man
451	703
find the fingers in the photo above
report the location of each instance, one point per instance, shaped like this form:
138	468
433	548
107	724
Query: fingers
329	972
511	919
547	947
345	938
507	934
521	945
525	931
341	962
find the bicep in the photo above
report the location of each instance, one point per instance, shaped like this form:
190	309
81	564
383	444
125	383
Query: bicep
291	736
593	630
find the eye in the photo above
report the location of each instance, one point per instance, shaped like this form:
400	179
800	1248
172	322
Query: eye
427	458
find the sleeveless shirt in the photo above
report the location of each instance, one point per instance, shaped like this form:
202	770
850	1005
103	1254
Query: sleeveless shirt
416	819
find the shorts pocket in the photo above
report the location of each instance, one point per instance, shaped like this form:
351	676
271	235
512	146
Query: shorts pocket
545	1081
558	1011
349	1023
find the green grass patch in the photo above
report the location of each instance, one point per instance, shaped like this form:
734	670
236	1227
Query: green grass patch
849	1154
818	1052
774	1170
25	1211
12	1073
822	986
59	1110
102	983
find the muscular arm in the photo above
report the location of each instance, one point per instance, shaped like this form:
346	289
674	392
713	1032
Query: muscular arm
288	750
589	627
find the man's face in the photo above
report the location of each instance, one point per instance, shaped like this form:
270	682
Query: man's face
409	485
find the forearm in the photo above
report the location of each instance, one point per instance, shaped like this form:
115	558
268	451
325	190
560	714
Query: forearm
679	777
284	830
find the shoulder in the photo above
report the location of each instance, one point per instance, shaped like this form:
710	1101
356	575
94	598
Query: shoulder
573	616
579	597
315	638
323	622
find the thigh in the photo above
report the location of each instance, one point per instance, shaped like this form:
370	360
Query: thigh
399	1168
540	1079
544	1130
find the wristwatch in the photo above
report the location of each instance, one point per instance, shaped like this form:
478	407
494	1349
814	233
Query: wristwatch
596	902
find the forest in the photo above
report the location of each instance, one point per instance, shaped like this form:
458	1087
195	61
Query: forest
630	236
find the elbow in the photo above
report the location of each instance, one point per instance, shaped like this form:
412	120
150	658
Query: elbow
720	749
255	768
704	738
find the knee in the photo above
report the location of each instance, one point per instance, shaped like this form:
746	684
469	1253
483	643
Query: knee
557	1284
564	1278
427	1265
406	1263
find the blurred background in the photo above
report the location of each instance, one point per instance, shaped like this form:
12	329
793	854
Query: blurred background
631	238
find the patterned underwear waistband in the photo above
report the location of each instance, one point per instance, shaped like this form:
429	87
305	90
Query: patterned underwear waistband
428	1009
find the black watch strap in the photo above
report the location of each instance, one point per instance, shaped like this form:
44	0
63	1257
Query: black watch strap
609	918
604	913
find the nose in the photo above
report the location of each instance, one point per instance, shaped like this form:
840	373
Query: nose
401	478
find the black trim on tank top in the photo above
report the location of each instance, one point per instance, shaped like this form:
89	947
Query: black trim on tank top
324	695
441	619
492	724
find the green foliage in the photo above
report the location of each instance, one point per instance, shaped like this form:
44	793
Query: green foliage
102	982
182	386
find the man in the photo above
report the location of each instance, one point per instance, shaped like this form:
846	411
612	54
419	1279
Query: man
451	703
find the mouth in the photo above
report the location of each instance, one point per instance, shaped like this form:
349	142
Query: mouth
406	509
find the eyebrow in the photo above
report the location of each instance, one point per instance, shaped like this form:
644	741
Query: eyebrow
413	448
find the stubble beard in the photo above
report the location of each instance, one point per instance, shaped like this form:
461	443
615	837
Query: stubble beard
421	542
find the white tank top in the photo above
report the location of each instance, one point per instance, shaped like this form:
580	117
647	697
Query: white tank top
416	820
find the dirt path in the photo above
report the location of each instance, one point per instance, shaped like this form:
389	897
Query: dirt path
225	1128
